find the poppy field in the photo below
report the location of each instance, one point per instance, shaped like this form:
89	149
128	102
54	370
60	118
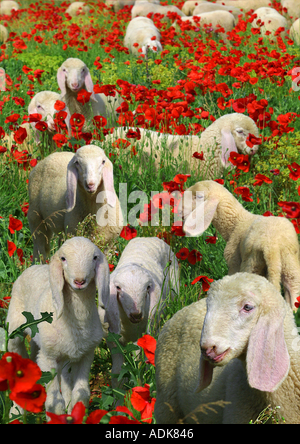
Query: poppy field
197	78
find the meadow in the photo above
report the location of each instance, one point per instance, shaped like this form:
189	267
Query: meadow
197	78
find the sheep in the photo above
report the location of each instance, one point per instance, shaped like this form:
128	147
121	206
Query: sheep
226	134
147	271
248	360
142	30
293	8
64	188
246	5
267	246
120	4
3	34
295	31
67	288
189	6
6	7
209	7
77	8
73	76
268	19
215	19
143	8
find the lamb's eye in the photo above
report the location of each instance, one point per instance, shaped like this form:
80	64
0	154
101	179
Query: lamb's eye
103	162
118	288
248	307
95	258
63	259
148	288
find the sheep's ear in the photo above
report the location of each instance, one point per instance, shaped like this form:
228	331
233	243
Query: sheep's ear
108	180
228	145
205	374
102	280
156	297
61	80
57	282
112	312
89	85
72	178
200	218
268	360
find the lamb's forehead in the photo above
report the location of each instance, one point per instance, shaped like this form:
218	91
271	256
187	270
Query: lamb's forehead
205	186
237	120
131	274
46	97
90	151
76	246
73	63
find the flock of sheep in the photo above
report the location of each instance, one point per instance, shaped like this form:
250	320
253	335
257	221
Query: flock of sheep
244	315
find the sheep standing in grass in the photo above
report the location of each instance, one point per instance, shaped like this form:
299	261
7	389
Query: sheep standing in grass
77	8
143	8
267	246
6	7
145	275
67	288
226	134
269	20
73	76
64	188
249	356
141	31
3	34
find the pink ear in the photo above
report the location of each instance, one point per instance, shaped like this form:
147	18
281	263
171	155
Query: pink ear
89	85
205	374
200	218
228	145
268	359
72	177
108	179
61	80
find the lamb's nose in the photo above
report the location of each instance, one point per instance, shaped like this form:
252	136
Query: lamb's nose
136	317
75	85
79	282
209	352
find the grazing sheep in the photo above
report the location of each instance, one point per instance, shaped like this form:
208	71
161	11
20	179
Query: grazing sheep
120	4
142	31
190	5
215	20
246	5
269	20
3	34
210	7
143	8
267	246
249	357
64	188
295	31
66	287
139	287
226	134
292	6
6	7
77	8
73	76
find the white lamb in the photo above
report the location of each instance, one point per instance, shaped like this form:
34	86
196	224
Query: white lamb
267	246
64	188
67	288
293	8
73	76
189	6
77	8
142	31
269	20
6	7
215	20
295	31
3	34
246	5
249	357
210	7
143	8
145	275
228	133
120	4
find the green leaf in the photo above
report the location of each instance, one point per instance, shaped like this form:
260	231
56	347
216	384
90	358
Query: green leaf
31	323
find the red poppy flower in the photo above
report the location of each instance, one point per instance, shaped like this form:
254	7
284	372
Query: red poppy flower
35	117
14	224
99	121
128	232
131	134
294	171
199	156
292	209
11	247
205	282
2	133
3	149
76	417
253	140
122	419
194	256
20	373
182	254
121	143
260	179
244	192
41	126
211	239
297	304
83	96
20	135
32	399
60	140
77	121
148	344
96	416
177	231
59	105
143	403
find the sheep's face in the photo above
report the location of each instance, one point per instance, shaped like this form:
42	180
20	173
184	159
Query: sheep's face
78	261
90	168
232	312
45	107
192	197
75	72
240	136
154	45
133	286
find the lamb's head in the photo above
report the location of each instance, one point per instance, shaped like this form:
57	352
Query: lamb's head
43	103
154	45
93	171
245	320
79	264
133	287
74	75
